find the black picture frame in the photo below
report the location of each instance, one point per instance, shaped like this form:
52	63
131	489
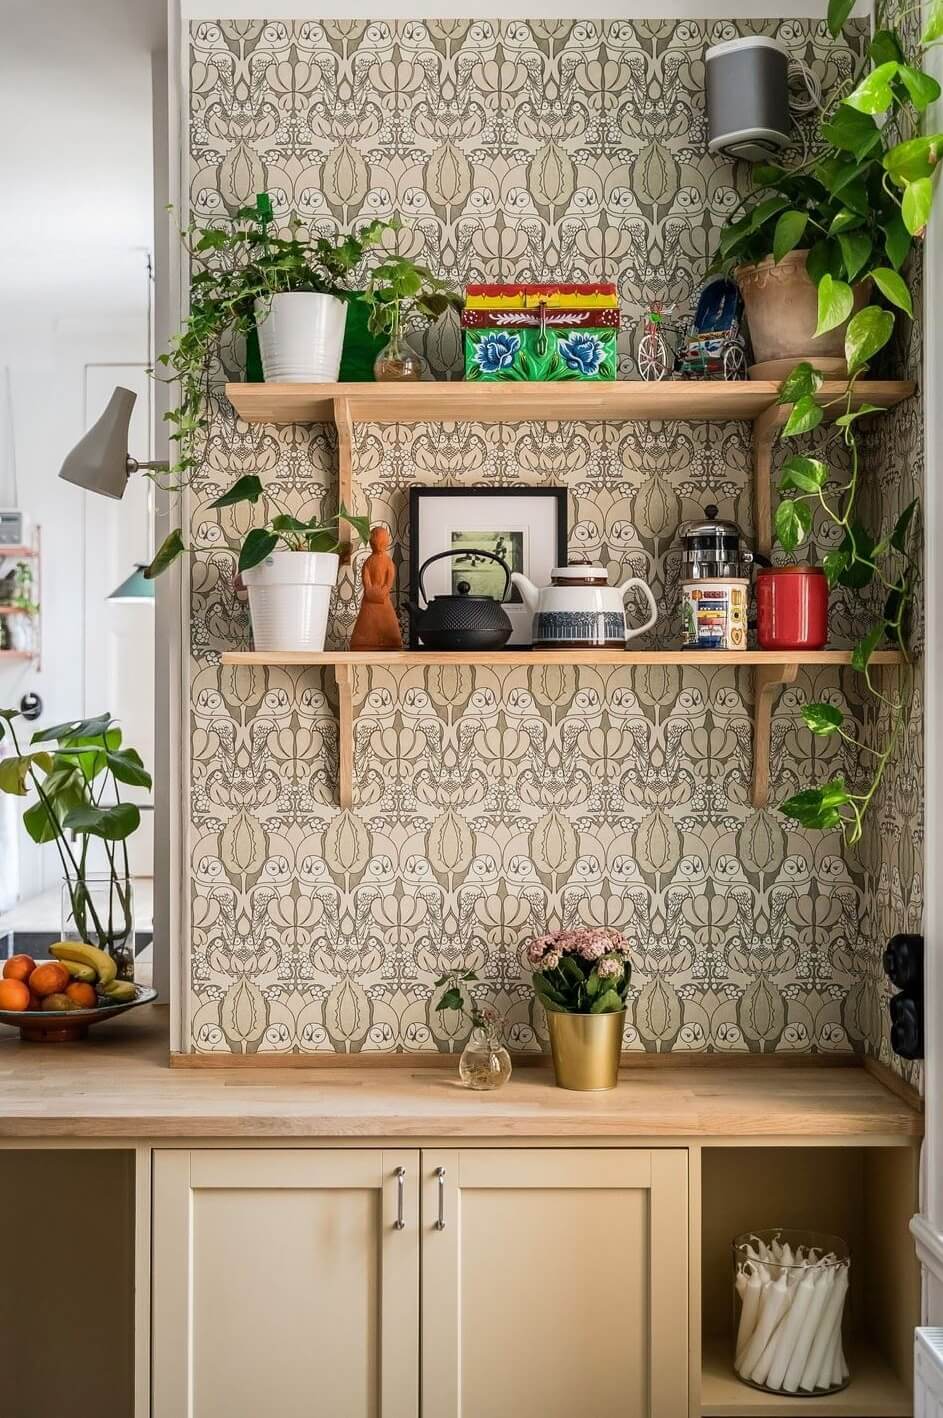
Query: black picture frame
416	555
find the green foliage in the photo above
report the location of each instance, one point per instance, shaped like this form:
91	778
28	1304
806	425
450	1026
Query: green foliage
868	201
238	267
294	534
862	198
77	797
457	995
575	986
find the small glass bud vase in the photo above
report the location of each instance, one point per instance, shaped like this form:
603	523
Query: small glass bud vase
399	362
485	1062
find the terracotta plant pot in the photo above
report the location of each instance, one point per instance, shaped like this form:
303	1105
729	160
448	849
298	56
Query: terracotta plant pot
781	304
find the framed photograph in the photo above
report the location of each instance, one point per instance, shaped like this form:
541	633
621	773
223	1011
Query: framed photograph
526	527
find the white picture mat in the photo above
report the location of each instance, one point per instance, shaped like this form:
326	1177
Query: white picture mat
438	517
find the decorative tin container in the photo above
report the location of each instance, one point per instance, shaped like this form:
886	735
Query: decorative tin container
791	608
714	613
540	332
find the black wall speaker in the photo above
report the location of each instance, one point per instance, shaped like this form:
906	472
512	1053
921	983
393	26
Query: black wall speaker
903	965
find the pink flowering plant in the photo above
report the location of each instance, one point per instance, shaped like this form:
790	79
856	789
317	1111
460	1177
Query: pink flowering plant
585	971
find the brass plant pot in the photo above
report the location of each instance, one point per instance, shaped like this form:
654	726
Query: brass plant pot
586	1049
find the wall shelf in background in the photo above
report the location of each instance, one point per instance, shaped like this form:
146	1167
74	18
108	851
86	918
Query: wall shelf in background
689	400
771	670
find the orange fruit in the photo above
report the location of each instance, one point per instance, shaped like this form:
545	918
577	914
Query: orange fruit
13	995
18	967
49	979
57	1001
81	995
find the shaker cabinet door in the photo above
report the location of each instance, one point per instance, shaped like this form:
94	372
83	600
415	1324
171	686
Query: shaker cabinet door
285	1282
554	1283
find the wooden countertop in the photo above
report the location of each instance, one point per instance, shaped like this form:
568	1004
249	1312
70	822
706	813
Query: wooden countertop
117	1084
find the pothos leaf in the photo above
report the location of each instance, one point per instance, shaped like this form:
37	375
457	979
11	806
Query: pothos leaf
822	718
798	382
868	332
256	547
838	12
245	489
792	522
934	26
817	807
803	474
865	648
788	233
805	415
916	204
902	527
874	93
836	302
893	287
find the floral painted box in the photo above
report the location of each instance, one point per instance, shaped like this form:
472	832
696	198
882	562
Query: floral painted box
540	332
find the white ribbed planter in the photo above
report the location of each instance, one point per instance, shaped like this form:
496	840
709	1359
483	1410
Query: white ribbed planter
289	598
301	336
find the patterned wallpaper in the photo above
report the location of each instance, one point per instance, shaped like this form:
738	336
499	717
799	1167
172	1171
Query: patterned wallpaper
491	804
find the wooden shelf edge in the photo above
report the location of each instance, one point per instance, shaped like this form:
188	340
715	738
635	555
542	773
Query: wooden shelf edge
874	1392
458	400
494	659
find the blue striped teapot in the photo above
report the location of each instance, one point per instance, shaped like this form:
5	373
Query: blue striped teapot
580	610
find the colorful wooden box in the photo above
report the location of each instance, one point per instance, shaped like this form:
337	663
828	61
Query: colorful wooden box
540	332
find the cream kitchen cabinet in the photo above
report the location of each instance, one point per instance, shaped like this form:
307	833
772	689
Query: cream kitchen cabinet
285	1282
550	1281
554	1283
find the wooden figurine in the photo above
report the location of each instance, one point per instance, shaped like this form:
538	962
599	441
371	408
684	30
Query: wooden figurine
377	626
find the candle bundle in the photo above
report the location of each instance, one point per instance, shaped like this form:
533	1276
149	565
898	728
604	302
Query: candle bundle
792	1297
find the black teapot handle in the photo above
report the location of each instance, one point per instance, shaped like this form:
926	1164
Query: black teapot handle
464	551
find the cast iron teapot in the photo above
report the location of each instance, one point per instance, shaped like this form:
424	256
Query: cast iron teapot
463	621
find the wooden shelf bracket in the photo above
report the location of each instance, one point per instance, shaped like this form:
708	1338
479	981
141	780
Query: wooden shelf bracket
345	472
767	680
766	429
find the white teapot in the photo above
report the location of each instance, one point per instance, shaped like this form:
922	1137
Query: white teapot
580	610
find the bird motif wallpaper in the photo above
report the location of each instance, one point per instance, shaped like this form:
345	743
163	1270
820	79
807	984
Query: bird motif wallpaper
491	804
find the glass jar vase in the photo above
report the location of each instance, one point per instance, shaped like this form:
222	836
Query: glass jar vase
99	909
398	362
485	1062
790	1289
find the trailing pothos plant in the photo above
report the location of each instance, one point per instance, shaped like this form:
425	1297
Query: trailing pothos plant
245	262
877	199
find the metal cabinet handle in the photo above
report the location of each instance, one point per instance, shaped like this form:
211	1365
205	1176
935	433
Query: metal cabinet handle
400	1174
440	1180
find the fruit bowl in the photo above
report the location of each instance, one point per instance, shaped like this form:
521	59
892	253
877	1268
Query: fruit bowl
60	1026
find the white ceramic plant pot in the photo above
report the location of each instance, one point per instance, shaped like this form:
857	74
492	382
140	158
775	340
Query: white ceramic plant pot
289	598
301	336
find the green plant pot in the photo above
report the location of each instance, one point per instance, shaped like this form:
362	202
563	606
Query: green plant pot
359	352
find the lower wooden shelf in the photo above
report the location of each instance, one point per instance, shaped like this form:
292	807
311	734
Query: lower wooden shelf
771	670
875	1391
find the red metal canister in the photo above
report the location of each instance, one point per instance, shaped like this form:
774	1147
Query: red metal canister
791	608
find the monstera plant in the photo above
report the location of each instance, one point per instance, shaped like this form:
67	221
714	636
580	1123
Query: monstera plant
875	193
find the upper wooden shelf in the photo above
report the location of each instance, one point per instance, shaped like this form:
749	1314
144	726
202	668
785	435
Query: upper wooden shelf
406	658
438	400
19	552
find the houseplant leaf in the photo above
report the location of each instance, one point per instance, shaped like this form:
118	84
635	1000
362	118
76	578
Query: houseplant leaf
805	415
934	25
822	719
836	302
865	648
113	823
852	131
923	88
914	158
128	768
916	204
168	551
789	231
855	248
868	332
258	544
803	474
885	48
893	287
838	12
798	382
817	807
792	522
873	94
902	527
245	489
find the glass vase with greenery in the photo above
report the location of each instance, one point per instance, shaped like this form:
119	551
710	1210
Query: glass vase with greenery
77	771
397	290
860	204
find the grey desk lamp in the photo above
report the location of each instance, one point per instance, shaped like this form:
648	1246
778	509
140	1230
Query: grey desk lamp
100	461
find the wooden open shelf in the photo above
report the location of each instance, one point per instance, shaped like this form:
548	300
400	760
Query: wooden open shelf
512	402
875	1390
771	670
456	400
17	655
19	552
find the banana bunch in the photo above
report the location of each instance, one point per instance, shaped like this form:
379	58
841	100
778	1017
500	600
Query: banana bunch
95	967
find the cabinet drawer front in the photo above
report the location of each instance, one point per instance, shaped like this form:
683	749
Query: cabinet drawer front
286	1282
554	1283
